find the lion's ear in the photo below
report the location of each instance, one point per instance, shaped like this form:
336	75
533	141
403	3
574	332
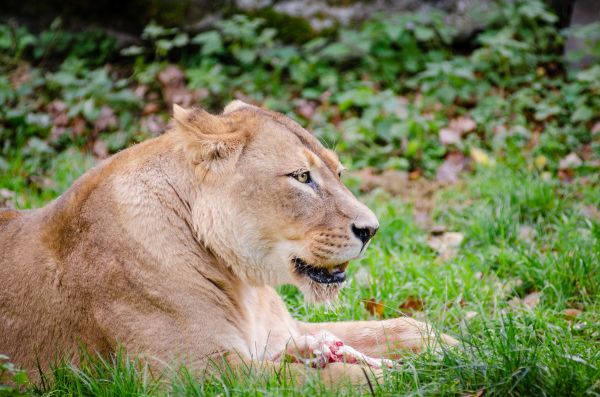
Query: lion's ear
236	105
208	137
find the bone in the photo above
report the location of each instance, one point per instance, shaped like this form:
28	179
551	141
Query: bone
319	350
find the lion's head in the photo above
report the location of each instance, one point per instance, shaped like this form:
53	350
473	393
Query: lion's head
271	203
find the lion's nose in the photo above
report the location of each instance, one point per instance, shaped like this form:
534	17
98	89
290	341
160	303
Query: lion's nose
364	233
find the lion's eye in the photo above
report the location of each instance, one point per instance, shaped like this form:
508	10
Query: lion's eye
303	177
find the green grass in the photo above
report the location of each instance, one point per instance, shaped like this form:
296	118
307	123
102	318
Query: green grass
506	348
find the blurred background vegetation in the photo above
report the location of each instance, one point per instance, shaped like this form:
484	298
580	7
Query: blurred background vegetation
427	92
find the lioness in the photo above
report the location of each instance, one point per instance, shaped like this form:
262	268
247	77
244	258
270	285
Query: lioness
172	247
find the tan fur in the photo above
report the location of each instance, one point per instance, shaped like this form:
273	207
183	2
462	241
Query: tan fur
172	247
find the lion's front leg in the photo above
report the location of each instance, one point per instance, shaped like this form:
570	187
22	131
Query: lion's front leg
385	339
323	348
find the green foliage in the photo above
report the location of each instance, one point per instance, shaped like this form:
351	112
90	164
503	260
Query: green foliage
13	381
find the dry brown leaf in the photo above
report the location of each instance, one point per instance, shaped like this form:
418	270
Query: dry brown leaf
374	307
566	175
99	149
6	197
540	162
590	212
105	120
21	75
172	75
463	124
422	219
470	315
153	124
150	108
78	126
174	90
480	157
437	230
449	136
526	233
454	164
414	175
446	244
478	393
60	120
571	313
532	299
412	304
452	134
570	161
306	108
140	91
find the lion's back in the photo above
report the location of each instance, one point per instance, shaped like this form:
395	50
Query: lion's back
6	215
25	288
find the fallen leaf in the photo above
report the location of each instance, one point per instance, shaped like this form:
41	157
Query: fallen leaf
374	307
306	108
153	124
571	313
590	212
422	219
532	299
21	75
478	393
446	244
105	120
174	90
454	164
60	120
99	149
449	136
470	315
566	175
140	91
480	157
437	230
452	134
172	75
78	126
540	162
411	304
526	233
571	161
6	198
150	108
463	124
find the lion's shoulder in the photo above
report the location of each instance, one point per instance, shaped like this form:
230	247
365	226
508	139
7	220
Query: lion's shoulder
7	214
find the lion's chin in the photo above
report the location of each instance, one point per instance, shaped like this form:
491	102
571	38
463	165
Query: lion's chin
319	284
320	293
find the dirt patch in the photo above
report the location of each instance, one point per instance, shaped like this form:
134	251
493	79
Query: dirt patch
419	192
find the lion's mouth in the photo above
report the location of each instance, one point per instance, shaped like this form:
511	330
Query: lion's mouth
321	275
